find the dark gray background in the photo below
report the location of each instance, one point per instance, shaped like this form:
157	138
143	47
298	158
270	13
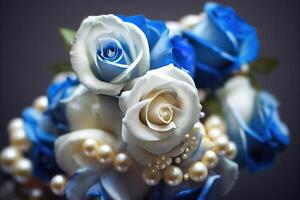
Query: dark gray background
29	43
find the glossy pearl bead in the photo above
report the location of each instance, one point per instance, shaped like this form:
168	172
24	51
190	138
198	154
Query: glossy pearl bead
41	103
221	144
89	147
22	170
122	162
214	133
15	124
210	159
9	157
36	194
173	175
198	172
231	151
58	184
151	177
19	139
105	154
215	121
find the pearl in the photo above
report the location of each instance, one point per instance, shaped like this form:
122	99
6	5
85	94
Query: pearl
122	162
231	151
58	184
198	172
177	160
186	177
213	133
221	144
173	175
8	158
19	139
15	124
89	147
105	154
169	161
36	193
215	121
210	159
41	103
184	156
22	170
151	176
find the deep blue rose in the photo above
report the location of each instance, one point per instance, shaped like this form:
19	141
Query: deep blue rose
183	54
262	137
223	42
42	129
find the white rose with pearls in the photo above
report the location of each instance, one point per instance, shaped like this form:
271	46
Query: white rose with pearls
108	52
160	109
89	117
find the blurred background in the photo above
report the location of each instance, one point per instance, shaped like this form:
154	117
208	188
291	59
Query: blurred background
30	43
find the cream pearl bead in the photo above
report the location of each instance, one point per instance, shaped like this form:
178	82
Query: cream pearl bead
151	176
214	133
198	172
215	121
41	103
122	162
58	184
8	158
36	194
89	147
231	151
22	170
105	154
15	124
221	145
173	175
19	139
210	159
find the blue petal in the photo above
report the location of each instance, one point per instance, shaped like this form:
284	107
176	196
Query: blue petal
183	55
161	54
84	184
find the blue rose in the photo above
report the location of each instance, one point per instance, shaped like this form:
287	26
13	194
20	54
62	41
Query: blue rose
183	54
253	123
42	129
223	42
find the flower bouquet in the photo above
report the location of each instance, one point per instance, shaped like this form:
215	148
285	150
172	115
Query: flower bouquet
150	110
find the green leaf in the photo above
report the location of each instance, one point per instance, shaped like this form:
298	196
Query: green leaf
264	65
68	36
61	67
254	81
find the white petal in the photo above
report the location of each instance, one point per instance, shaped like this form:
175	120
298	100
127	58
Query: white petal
87	110
82	58
68	149
127	186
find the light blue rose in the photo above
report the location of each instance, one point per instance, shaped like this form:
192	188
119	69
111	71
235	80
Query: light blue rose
223	42
262	137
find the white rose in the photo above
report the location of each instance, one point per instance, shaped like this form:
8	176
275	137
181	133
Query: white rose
160	109
237	93
89	116
108	52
